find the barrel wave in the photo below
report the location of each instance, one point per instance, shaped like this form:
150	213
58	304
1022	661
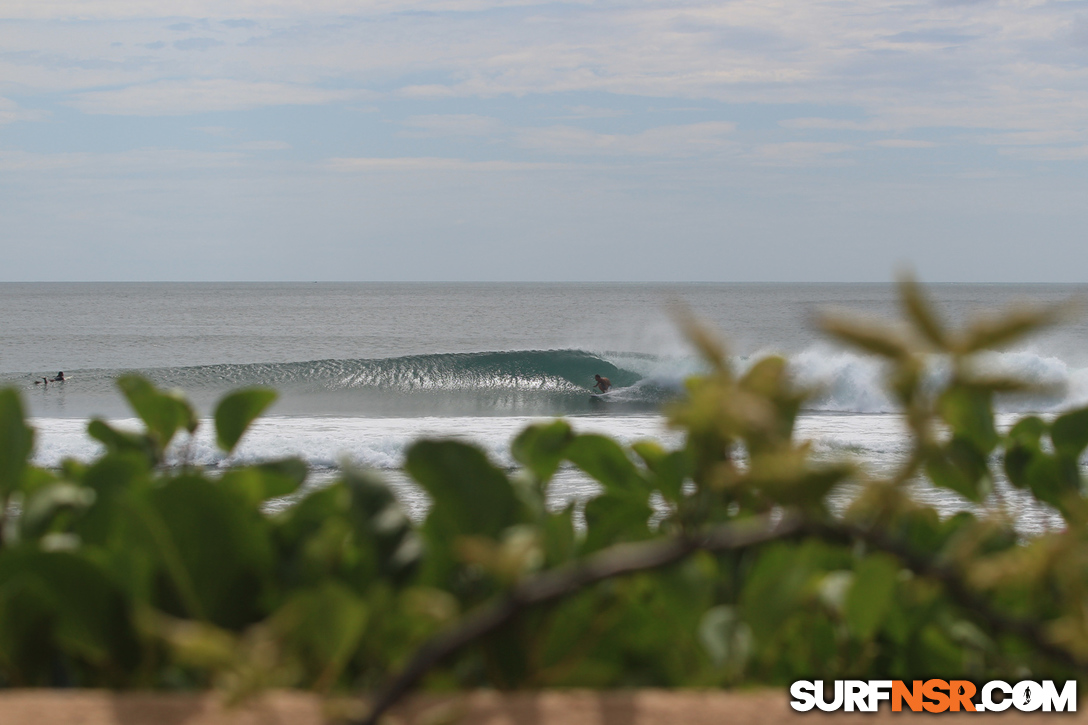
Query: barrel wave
551	370
521	382
524	382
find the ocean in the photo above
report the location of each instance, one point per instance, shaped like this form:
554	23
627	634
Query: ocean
364	369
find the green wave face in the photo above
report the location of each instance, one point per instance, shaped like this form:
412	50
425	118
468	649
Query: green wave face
556	370
530	382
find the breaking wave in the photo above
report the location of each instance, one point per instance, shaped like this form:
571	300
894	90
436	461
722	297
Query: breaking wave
849	383
529	382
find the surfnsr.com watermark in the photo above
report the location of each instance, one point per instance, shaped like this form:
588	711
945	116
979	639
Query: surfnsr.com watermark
934	696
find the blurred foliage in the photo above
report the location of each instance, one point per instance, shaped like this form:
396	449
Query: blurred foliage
125	572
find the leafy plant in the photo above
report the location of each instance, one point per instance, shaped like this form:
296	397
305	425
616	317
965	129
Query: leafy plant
126	573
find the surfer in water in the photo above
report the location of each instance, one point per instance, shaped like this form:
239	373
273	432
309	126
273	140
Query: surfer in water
603	383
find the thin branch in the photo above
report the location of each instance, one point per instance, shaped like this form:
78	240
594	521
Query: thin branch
952	579
557	583
630	558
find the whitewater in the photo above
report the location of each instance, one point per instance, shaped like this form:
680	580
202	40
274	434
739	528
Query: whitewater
363	370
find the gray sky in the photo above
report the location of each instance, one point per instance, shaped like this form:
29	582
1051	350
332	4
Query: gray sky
738	140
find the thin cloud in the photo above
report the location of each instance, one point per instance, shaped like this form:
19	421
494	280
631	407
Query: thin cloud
10	112
178	98
263	146
432	90
136	161
1047	153
799	153
579	112
460	124
1035	138
346	165
218	131
903	143
831	124
674	141
893	63
197	44
230	10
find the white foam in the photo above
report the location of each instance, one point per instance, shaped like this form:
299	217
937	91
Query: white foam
843	381
876	440
325	442
847	382
381	443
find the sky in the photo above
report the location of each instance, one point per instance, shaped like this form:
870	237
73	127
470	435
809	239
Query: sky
611	140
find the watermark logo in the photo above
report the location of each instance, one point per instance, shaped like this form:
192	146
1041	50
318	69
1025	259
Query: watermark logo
933	696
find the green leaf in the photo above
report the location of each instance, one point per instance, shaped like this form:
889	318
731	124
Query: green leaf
790	478
866	335
26	621
51	503
470	497
313	537
606	462
322	626
85	614
616	517
777	586
111	477
1028	431
921	313
1069	432
16	442
969	412
1023	444
871	595
623	512
769	377
271	479
1010	325
961	467
380	522
920	528
163	413
236	411
119	441
35	479
214	551
540	447
669	469
197	644
468	492
559	538
1052	478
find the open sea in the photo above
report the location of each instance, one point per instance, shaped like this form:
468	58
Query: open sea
364	369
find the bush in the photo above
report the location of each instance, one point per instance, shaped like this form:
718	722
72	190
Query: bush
125	573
